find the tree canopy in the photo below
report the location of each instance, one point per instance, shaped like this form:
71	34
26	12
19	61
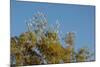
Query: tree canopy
42	45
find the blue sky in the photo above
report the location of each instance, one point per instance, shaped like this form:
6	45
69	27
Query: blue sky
78	18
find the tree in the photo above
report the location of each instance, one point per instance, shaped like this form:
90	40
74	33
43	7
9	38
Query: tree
83	55
70	47
41	44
